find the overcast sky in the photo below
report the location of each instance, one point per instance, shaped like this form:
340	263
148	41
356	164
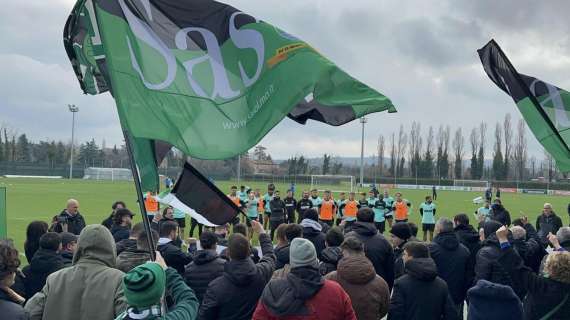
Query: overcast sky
421	54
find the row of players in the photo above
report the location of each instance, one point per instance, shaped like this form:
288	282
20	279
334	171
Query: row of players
272	210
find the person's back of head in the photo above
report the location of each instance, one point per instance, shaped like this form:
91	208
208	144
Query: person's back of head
240	228
136	230
302	253
50	241
96	243
519	233
557	266
9	263
365	215
413	228
312	214
238	247
352	246
142	240
118	204
461	219
444	225
416	250
144	285
68	240
208	240
563	235
293	231
334	237
280	233
167	229
490	227
35	230
120	214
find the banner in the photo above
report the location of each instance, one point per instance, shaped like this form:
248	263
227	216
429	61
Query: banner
545	107
204	77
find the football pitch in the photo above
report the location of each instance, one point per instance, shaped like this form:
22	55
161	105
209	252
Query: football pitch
41	199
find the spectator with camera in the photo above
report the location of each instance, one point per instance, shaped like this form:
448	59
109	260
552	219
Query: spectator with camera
70	220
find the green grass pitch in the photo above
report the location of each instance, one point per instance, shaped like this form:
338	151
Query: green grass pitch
41	199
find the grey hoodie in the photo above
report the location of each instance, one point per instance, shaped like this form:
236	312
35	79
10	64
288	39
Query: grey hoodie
89	289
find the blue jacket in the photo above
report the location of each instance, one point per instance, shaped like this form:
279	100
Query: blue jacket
492	301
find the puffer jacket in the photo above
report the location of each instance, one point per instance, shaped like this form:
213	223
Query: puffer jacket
492	301
452	261
377	249
44	263
330	258
92	277
488	268
368	292
205	267
421	294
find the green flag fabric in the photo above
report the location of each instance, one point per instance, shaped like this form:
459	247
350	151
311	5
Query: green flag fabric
203	76
545	107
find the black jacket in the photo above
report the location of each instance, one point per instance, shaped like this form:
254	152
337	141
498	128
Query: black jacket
120	232
546	224
500	214
67	258
126	245
488	268
234	295
421	294
544	294
316	236
302	206
452	261
330	258
469	237
108	222
530	251
281	256
377	249
44	263
399	260
75	223
10	309
277	207
205	267
174	256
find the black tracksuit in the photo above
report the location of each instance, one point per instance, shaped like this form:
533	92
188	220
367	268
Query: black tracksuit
277	217
302	206
290	207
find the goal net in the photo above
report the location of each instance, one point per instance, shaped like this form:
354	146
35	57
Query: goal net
471	183
112	174
334	183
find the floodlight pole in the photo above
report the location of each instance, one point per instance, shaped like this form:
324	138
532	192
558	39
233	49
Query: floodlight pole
363	120
73	109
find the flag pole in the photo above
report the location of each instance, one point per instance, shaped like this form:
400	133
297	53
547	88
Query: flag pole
136	178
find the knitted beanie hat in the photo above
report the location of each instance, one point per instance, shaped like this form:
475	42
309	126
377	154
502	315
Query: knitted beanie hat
144	285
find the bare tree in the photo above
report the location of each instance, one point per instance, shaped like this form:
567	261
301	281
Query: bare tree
508	130
458	151
474	141
443	152
481	153
381	146
401	150
426	167
520	150
393	160
549	164
414	147
498	164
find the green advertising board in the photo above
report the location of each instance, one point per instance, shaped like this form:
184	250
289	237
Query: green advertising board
3	215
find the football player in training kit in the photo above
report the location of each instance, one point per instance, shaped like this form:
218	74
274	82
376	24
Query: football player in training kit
340	208
252	211
378	206
327	209
237	201
389	202
427	210
363	202
350	209
315	199
401	208
266	200
303	205
291	206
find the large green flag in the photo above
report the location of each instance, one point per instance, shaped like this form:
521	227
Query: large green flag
545	107
203	76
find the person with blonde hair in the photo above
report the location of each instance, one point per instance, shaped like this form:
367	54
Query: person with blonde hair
548	295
